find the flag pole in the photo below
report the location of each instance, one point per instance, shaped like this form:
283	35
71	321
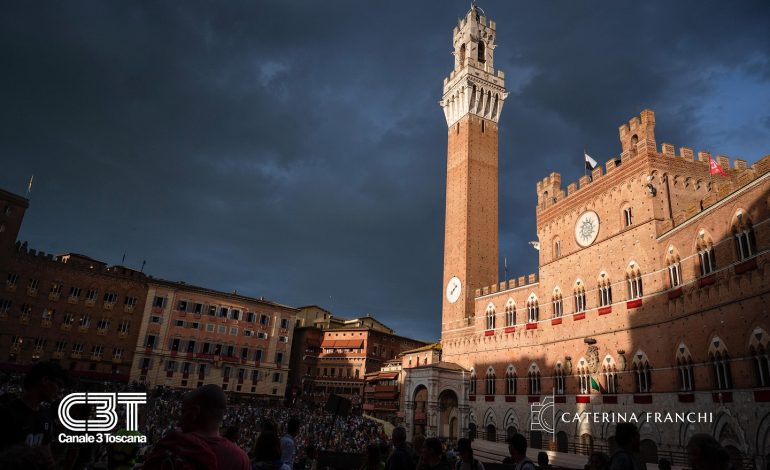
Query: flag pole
29	186
585	166
505	268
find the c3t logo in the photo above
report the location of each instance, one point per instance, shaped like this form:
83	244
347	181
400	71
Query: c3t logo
542	413
105	416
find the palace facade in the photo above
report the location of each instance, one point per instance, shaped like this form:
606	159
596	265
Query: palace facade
68	308
191	336
651	292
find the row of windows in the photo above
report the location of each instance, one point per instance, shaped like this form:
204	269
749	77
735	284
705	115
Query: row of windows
214	349
720	365
83	321
342	372
635	291
203	370
745	245
221	329
606	381
75	292
39	345
219	311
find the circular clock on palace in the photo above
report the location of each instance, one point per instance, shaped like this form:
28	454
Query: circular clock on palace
587	228
453	289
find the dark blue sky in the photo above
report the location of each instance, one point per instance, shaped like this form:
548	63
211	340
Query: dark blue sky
295	150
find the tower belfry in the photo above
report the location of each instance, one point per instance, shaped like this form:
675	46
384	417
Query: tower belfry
474	86
474	93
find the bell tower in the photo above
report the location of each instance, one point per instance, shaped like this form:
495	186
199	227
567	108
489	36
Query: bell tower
473	99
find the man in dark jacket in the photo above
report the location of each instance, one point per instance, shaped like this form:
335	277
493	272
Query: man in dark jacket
402	457
28	420
199	444
432	457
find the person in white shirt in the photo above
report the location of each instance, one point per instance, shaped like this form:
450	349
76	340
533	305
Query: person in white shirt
288	447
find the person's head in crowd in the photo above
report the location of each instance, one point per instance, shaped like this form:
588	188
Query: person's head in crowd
310	451
44	382
432	451
268	447
465	450
517	447
203	409
232	433
399	436
292	428
705	453
598	461
627	437
664	464
268	424
373	456
542	459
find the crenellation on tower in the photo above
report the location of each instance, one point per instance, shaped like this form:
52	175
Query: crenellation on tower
549	190
691	165
612	163
638	135
668	150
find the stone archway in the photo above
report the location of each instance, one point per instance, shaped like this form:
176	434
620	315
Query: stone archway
649	451
420	416
562	442
448	415
491	433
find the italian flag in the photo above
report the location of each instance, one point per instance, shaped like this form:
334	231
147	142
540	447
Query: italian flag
595	385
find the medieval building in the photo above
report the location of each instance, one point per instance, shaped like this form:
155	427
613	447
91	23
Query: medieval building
651	293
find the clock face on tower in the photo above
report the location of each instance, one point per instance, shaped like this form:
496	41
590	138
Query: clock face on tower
453	289
587	228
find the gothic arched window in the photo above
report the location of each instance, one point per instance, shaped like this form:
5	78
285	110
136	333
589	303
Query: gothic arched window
533	311
510	380
605	290
743	235
708	262
642	373
490	381
674	267
490	317
510	313
720	364
684	364
634	278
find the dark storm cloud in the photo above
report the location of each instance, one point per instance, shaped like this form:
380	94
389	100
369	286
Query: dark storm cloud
295	149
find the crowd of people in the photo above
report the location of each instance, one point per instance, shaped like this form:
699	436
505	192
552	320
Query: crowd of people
169	418
200	429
